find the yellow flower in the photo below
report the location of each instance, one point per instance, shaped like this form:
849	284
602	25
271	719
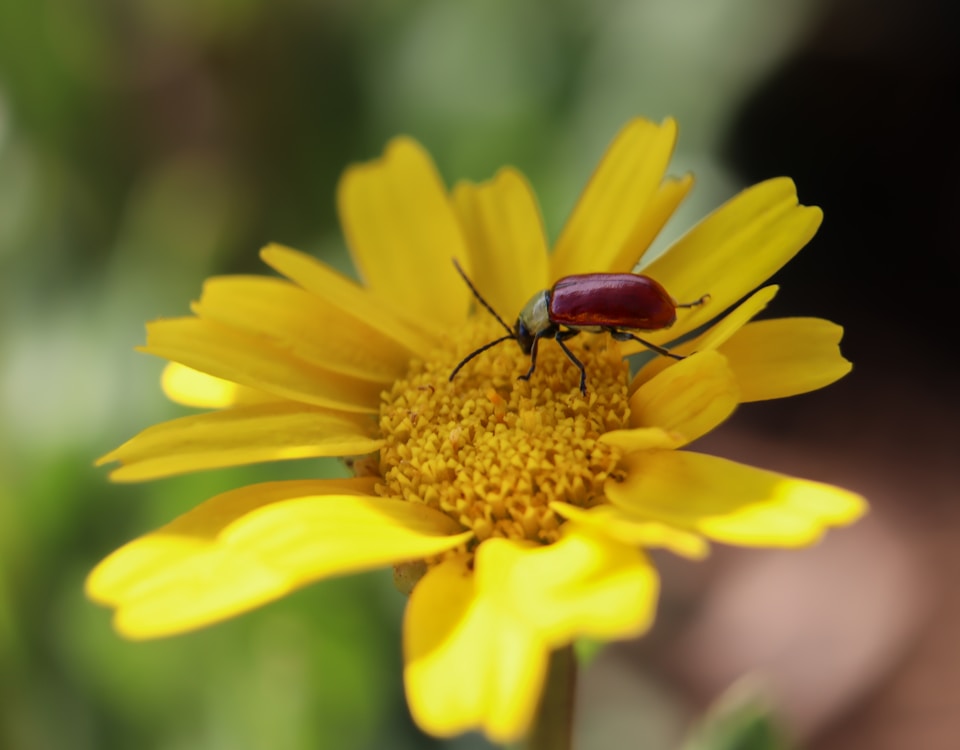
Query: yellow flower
517	512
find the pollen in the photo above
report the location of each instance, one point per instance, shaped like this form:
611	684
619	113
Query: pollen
491	451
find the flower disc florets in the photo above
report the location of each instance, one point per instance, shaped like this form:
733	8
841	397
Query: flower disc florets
491	451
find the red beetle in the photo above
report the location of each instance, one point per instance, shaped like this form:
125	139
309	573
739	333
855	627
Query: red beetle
594	302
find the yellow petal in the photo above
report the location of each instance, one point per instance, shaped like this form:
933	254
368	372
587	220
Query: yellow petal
712	338
733	251
337	290
627	529
184	385
665	202
274	550
303	325
785	356
236	437
731	502
493	629
769	358
112	580
586	585
209	586
470	664
402	232
614	208
313	537
250	360
505	233
736	320
641	439
688	399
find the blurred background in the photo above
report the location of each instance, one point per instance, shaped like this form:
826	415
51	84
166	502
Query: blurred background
148	144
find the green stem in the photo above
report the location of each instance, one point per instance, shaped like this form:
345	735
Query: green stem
553	728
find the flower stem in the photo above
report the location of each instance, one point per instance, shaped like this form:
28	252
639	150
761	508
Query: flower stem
553	729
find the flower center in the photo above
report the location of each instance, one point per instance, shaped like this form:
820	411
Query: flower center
491	451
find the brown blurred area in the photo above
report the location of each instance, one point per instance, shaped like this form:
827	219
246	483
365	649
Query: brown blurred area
856	638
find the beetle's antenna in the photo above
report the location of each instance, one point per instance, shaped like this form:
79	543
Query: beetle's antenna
490	310
482	349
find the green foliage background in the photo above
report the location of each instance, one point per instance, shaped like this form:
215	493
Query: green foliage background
146	145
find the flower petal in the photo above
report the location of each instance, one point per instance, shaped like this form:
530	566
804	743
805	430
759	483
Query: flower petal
321	280
312	537
731	502
689	398
304	325
236	437
243	358
785	356
469	663
117	575
494	628
733	250
402	232
613	210
769	359
663	205
502	223
189	387
712	338
741	315
641	439
586	585
627	529
267	553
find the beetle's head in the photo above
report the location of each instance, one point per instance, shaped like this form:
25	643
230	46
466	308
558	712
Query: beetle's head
523	335
533	321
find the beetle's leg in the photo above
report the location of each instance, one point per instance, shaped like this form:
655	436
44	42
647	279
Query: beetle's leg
627	336
564	336
702	301
533	359
573	358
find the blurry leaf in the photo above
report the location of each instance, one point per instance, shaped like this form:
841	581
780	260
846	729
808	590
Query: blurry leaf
205	19
741	719
9	637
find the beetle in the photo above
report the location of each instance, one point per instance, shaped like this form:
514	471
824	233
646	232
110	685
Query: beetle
615	303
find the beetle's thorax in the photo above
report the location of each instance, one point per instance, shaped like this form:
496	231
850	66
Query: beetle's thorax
534	320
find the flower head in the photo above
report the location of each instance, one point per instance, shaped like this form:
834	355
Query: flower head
515	512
